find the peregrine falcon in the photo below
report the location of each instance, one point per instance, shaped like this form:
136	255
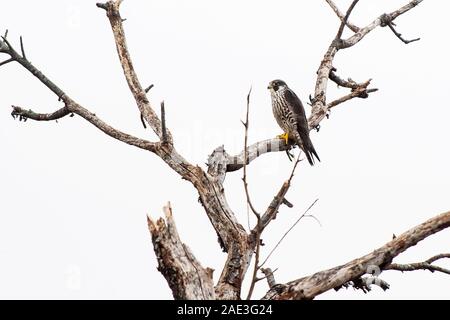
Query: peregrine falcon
290	115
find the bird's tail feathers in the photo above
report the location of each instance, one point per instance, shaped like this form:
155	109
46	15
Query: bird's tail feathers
309	150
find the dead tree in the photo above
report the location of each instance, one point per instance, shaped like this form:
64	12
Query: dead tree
185	275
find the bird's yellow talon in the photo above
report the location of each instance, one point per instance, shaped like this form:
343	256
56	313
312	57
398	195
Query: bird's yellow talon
284	136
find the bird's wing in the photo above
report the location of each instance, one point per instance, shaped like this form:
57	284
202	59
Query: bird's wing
296	107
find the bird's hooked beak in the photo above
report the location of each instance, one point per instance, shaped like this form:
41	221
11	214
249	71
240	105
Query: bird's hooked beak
270	86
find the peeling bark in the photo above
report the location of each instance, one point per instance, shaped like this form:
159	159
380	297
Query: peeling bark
309	287
183	272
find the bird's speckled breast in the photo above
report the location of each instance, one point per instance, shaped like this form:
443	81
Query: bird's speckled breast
281	112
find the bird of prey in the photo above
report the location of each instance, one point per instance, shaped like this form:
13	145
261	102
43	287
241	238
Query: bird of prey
290	115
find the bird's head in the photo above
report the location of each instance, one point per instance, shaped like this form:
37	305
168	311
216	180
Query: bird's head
276	85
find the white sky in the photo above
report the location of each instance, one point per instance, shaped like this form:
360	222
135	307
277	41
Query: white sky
73	202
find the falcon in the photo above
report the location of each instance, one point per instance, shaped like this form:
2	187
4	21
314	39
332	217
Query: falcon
290	115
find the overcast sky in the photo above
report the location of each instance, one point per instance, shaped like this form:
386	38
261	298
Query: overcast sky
73	201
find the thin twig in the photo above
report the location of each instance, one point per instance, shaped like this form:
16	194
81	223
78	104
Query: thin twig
358	93
70	107
399	35
426	265
22	48
143	121
24	114
135	86
287	203
341	16
344	21
6	61
256	264
310	286
142	116
287	232
295	167
248	216
163	123
10	49
244	177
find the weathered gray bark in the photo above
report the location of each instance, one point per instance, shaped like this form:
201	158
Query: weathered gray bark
183	272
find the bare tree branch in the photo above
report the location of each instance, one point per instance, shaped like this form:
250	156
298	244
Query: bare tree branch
359	92
163	123
231	234
22	48
29	114
349	83
341	16
386	21
249	203
70	105
344	21
7	48
426	265
381	20
183	272
256	263
149	88
311	286
73	107
244	177
319	107
438	257
365	284
6	61
113	13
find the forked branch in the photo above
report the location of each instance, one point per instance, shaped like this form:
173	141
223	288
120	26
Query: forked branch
70	106
341	16
311	286
183	272
425	265
319	106
386	21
